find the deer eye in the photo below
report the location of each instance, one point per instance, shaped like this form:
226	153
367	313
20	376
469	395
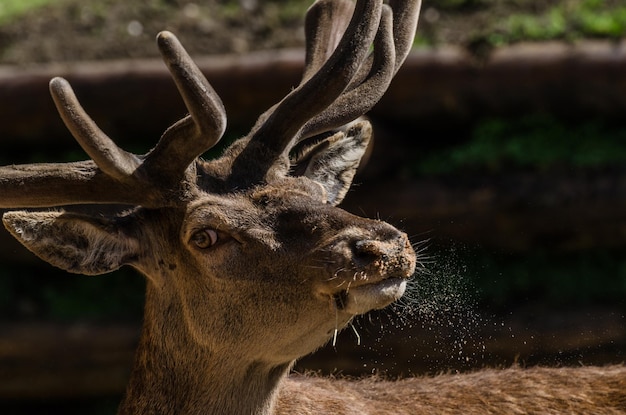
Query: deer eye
205	238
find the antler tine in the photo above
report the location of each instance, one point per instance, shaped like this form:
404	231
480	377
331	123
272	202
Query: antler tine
376	73
110	177
184	141
111	159
356	101
114	175
314	95
405	16
325	23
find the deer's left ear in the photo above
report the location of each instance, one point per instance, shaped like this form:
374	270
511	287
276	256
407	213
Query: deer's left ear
333	161
76	243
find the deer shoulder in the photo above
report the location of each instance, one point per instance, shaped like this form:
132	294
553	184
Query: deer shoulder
537	390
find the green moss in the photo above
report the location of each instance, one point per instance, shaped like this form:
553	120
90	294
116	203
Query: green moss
12	9
551	25
603	24
567	21
537	142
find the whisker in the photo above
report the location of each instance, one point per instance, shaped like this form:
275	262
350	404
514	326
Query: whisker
314	267
342	283
323	261
336	326
359	275
356	333
363	212
419	235
336	274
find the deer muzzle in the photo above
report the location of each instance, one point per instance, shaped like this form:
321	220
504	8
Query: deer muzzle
373	271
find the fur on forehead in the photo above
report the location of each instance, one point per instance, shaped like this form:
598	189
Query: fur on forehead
283	187
280	190
291	186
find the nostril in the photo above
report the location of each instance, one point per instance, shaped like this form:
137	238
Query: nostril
367	251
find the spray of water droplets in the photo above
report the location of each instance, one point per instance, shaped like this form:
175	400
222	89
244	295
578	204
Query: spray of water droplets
437	318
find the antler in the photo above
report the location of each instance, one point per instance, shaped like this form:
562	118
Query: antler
114	175
342	80
391	47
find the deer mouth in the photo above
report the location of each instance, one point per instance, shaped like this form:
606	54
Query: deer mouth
372	296
368	273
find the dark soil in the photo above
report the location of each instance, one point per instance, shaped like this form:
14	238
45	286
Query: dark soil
110	29
70	30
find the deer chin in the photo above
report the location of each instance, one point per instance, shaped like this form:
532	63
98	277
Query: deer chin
367	297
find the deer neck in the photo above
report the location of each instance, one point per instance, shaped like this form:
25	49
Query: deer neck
174	375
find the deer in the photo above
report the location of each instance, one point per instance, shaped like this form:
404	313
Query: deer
249	262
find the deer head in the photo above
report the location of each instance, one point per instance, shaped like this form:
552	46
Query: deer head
246	255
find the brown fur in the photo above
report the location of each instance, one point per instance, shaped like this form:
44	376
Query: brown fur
540	391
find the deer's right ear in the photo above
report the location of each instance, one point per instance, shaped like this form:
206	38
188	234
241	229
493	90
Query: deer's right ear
333	161
73	242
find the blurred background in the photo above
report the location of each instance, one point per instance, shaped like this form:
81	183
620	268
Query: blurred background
500	148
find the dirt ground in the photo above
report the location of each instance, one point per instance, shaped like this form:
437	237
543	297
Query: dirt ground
70	30
109	29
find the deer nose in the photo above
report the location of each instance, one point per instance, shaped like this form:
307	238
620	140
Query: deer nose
395	254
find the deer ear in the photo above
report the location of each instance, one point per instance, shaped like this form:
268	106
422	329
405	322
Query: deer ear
333	161
73	242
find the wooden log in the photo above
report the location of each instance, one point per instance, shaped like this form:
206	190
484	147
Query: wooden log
446	87
47	361
136	100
